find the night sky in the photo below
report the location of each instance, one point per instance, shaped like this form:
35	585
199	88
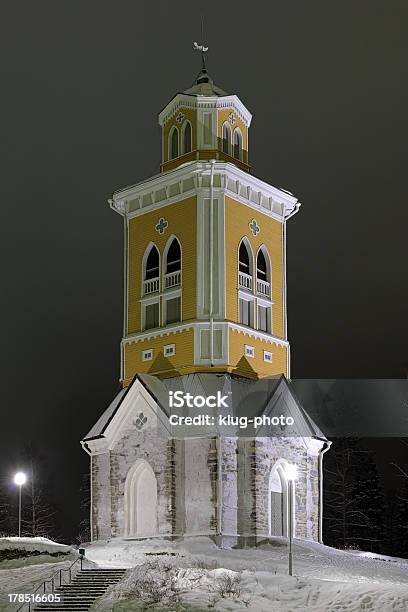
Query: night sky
82	85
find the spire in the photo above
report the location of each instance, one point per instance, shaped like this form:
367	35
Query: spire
204	85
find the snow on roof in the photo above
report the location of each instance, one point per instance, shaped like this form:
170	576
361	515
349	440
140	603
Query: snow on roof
106	416
249	398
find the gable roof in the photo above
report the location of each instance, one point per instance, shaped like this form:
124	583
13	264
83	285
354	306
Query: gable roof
270	396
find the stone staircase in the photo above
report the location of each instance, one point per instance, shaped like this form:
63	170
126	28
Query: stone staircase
85	588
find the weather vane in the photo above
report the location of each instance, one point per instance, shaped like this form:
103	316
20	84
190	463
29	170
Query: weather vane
201	47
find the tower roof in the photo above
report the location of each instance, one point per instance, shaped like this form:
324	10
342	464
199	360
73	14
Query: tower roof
204	86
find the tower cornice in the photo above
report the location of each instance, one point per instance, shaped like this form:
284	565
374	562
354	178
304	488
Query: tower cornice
204	102
192	178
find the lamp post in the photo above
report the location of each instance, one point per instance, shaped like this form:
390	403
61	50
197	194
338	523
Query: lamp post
19	479
291	474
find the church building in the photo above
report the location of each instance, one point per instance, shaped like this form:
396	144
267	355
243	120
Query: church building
205	314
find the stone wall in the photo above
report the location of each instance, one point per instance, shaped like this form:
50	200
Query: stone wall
157	451
101	497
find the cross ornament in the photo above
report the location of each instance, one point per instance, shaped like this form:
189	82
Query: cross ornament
231	119
162	225
180	117
254	227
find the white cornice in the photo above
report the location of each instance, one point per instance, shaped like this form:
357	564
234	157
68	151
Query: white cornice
191	179
199	102
241	329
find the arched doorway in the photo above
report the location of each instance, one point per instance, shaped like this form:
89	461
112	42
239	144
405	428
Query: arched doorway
141	500
278	500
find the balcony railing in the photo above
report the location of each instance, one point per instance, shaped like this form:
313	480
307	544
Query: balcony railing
173	279
263	287
150	286
245	280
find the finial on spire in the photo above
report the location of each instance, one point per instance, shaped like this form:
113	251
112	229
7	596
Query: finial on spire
201	47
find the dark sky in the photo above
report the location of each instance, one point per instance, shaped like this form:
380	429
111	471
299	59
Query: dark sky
82	84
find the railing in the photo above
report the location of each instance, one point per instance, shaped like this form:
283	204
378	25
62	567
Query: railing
173	279
263	287
51	581
245	280
151	286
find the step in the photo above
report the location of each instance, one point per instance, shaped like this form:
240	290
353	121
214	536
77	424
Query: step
87	586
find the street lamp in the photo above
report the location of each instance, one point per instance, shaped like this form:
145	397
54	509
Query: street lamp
291	474
19	479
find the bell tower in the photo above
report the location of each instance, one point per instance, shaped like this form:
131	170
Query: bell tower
205	244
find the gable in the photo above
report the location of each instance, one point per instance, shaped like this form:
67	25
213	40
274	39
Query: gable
129	408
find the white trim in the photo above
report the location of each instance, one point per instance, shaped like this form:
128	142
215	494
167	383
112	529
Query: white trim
255	333
206	326
268	356
179	328
204	102
281	204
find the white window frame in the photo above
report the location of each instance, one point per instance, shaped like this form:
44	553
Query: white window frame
249	351
171	294
147	354
267	356
169	350
248	297
147	301
266	304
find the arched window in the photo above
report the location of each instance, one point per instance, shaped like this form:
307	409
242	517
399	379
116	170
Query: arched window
186	137
152	264
173	262
226	138
261	266
244	264
237	143
245	297
173	143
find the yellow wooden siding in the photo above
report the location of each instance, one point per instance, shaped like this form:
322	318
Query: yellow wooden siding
190	115
160	366
237	219
222	118
244	365
182	220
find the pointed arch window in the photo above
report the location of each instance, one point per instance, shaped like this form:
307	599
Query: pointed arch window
243	258
245	295
173	260
237	144
226	138
187	137
261	268
263	273
173	143
152	264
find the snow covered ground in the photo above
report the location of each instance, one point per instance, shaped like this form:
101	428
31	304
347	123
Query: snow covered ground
25	573
325	579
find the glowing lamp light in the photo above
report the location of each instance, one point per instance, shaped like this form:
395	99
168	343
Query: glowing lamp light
20	478
291	472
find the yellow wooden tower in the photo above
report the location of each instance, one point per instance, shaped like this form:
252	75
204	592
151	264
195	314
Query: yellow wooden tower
205	244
